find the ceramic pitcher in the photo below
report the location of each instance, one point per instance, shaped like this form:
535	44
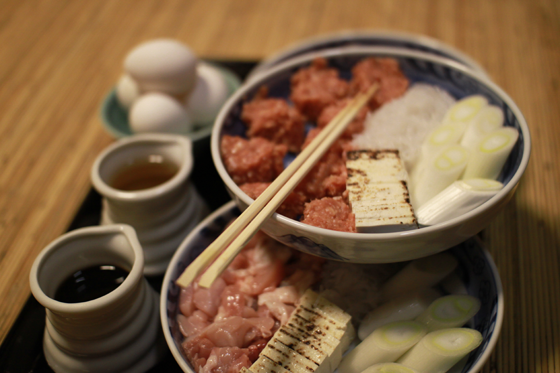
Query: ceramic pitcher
115	332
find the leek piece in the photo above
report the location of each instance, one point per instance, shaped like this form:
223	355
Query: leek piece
460	197
418	274
384	345
438	351
389	368
465	110
489	119
438	174
453	284
489	156
455	122
450	311
442	137
405	307
439	139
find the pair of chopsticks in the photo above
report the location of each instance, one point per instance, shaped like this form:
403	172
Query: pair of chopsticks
224	249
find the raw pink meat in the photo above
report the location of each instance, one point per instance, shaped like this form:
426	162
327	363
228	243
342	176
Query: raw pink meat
330	213
228	325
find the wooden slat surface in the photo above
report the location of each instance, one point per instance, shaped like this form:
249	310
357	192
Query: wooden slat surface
59	58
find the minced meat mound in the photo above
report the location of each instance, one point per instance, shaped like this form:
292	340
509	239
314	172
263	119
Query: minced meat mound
317	87
329	112
275	120
387	72
329	213
253	160
292	207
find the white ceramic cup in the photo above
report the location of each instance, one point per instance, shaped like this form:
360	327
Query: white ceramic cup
116	332
162	215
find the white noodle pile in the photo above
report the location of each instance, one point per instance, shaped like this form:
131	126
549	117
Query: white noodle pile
404	122
354	287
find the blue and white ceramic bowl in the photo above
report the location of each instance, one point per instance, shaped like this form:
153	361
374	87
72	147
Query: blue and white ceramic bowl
379	38
447	74
476	275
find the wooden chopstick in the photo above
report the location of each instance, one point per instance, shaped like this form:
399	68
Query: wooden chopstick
247	224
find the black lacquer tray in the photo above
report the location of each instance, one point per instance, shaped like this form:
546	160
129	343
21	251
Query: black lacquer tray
22	350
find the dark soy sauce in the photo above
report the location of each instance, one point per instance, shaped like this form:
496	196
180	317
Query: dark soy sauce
145	173
90	283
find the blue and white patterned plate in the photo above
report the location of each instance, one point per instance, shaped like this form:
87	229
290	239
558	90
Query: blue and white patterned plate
396	39
450	75
476	274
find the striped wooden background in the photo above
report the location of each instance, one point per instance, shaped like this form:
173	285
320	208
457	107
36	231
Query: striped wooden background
58	58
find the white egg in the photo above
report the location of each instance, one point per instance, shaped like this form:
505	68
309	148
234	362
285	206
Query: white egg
158	112
209	94
127	91
163	65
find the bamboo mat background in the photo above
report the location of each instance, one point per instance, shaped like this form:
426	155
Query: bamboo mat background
59	58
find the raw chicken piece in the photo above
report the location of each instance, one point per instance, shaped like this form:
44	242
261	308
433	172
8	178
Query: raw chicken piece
208	300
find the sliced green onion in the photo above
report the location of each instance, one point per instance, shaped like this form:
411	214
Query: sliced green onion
450	311
460	197
438	351
418	274
465	110
442	137
491	153
436	175
489	119
384	345
405	307
389	368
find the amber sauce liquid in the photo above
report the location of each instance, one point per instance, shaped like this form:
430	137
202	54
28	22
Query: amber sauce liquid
144	174
90	283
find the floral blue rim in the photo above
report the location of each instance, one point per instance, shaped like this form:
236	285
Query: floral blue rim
392	39
476	271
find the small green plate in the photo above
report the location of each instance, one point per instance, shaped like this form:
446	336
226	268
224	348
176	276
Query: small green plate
115	118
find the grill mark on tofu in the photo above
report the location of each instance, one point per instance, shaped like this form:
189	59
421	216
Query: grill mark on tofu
378	191
314	345
313	339
308	323
264	364
287	356
371	154
294	347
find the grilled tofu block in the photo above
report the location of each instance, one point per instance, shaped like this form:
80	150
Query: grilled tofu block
265	365
378	192
313	339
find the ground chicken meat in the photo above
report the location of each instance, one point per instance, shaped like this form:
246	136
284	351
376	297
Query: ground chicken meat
354	127
253	160
316	87
329	213
326	179
292	207
275	120
338	147
387	72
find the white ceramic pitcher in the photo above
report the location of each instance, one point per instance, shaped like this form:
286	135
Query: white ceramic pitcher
116	332
162	215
